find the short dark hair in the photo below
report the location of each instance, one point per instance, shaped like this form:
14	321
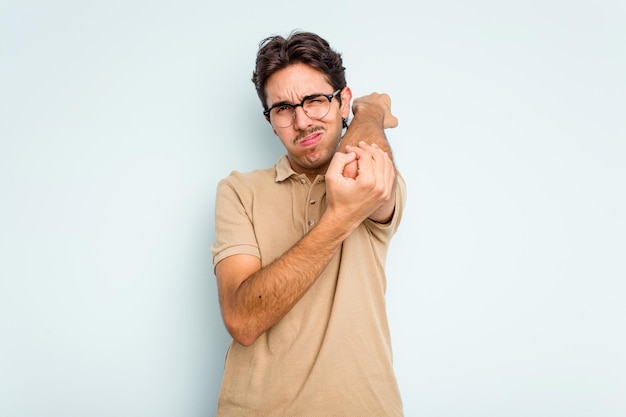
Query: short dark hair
276	53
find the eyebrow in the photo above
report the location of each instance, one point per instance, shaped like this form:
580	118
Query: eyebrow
288	103
284	102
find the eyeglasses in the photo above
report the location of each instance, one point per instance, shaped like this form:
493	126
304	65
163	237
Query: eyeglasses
315	106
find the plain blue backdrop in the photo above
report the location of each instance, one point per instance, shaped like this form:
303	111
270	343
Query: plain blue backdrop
506	279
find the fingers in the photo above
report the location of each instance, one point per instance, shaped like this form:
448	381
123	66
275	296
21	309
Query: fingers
383	102
371	188
374	164
364	149
340	162
351	169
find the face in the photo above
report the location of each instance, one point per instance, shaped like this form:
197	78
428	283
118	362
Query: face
310	143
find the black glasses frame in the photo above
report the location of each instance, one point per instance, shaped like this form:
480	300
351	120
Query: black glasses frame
293	106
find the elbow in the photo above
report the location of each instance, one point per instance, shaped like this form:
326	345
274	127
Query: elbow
245	342
243	339
240	333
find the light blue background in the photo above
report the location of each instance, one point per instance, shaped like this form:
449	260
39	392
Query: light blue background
506	281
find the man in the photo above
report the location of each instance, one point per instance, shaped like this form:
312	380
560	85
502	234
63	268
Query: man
300	247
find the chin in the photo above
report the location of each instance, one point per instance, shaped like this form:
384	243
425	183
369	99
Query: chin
318	159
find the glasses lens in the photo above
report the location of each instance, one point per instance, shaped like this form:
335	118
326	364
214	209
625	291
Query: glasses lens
282	116
316	107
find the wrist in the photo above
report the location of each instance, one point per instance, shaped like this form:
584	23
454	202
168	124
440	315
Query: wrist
369	110
337	223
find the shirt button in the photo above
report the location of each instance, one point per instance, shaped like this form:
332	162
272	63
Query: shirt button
312	202
302	181
311	222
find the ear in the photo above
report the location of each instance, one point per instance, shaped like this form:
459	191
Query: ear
346	98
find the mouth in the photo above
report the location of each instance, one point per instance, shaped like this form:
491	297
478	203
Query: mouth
310	139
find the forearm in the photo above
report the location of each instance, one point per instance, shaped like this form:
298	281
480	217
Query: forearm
254	298
372	114
266	296
370	120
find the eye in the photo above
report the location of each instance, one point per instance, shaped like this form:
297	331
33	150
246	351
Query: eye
284	108
316	100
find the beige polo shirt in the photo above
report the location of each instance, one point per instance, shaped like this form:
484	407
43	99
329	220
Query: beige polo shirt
331	354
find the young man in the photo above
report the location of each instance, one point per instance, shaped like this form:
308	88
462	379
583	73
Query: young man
300	247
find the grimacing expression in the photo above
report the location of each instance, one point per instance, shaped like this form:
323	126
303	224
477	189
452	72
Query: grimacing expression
310	143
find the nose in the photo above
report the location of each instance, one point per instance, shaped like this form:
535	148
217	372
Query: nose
301	120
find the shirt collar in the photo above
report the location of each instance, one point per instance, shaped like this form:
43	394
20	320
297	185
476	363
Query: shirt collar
284	171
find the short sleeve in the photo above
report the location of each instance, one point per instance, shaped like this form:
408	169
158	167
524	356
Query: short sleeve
234	232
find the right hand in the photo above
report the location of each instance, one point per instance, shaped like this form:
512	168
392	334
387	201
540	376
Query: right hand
353	200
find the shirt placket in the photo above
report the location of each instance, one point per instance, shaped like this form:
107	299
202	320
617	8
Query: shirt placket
314	209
